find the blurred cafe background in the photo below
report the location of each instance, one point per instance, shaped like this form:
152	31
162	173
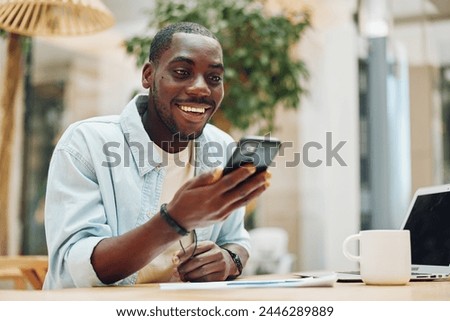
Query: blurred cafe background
369	126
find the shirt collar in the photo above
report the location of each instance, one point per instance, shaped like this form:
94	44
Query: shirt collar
142	148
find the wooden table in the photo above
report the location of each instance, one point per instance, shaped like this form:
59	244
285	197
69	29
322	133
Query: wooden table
24	268
421	291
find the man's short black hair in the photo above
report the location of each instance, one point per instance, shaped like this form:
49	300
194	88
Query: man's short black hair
163	39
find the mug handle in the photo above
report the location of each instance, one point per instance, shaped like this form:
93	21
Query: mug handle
347	254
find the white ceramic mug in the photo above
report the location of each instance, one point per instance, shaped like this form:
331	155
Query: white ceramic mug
384	256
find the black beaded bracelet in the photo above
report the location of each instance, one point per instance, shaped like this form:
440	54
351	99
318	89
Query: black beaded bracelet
177	227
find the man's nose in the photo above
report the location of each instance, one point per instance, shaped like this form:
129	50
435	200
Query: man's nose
199	87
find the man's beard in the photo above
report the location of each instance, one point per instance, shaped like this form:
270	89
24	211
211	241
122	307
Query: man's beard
169	122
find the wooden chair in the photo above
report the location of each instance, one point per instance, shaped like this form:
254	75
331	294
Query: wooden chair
23	269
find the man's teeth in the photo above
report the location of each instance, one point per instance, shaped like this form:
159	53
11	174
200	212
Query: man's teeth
200	110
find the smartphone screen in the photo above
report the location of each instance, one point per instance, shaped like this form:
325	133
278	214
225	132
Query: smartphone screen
257	150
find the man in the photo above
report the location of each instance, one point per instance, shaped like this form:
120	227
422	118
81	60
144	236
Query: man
141	197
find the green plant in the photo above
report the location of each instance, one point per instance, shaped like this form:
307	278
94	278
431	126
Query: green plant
260	72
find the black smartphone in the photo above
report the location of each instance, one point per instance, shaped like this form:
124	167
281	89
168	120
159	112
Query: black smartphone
257	150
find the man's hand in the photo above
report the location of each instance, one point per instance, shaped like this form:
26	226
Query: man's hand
209	263
211	197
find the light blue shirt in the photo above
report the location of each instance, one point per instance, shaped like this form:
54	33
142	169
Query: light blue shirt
104	178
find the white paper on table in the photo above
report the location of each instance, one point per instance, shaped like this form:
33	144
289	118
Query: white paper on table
321	281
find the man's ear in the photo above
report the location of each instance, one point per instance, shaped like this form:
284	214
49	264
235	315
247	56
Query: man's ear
147	75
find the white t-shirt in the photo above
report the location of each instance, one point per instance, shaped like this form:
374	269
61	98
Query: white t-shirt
179	170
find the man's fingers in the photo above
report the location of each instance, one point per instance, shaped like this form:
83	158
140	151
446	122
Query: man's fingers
205	178
181	257
248	186
242	200
236	177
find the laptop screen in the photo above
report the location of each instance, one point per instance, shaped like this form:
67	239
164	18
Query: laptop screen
429	226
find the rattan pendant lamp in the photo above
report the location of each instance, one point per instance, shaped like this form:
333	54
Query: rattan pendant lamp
35	18
54	17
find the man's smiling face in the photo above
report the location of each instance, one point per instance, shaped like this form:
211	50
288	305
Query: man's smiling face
186	85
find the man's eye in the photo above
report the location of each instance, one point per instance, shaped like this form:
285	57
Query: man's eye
181	73
217	79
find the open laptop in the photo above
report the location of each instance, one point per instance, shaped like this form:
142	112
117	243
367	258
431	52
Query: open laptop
428	220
